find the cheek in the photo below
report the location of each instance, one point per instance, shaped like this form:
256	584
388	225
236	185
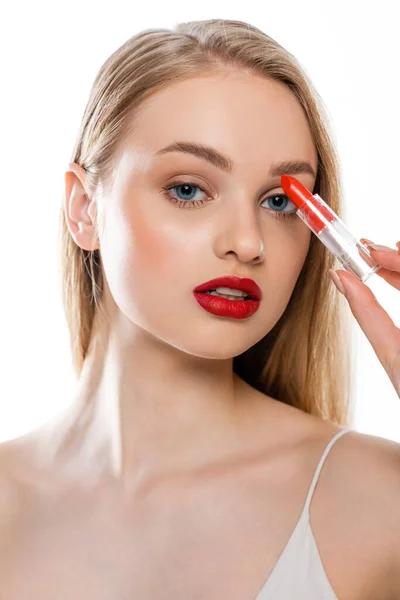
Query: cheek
285	256
142	254
286	261
158	252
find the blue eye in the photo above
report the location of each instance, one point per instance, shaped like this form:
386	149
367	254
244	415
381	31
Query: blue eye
279	202
187	190
187	193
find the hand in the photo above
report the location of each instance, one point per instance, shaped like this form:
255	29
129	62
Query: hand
379	328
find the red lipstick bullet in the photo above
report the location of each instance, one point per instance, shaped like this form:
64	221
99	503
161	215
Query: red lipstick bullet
317	214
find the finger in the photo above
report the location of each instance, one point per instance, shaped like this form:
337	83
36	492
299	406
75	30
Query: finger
390	259
368	242
378	327
390	276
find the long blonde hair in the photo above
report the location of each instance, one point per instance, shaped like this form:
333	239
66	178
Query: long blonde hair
304	360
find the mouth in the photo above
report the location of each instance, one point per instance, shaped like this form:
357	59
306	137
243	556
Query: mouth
226	287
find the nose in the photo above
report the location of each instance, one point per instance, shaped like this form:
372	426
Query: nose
248	250
241	230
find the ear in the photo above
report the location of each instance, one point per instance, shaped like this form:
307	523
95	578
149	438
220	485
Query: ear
79	208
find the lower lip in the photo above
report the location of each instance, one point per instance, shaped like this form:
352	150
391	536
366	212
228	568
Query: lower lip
222	307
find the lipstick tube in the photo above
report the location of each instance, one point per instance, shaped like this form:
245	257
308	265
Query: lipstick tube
330	229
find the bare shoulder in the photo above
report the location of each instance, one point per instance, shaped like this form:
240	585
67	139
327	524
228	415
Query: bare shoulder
359	488
370	465
372	470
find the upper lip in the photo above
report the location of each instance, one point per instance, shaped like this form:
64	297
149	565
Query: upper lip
236	283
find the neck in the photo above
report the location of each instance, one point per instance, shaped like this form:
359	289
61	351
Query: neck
145	410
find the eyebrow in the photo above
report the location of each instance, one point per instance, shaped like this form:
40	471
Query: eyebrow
289	167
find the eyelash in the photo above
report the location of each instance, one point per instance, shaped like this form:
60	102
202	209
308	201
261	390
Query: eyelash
195	203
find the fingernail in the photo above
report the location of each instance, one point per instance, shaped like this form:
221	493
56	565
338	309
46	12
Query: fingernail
378	247
398	246
336	280
365	241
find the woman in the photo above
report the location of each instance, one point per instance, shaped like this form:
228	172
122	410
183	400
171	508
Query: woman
186	464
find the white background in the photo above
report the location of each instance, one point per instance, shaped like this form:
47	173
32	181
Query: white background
50	54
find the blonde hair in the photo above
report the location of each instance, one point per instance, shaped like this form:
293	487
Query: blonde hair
304	360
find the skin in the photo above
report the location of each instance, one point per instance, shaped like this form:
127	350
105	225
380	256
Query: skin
164	452
170	401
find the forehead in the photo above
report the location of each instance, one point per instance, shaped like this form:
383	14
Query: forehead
248	117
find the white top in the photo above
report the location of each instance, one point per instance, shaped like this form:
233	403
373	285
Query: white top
299	573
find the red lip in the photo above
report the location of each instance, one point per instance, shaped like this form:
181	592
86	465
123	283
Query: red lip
236	283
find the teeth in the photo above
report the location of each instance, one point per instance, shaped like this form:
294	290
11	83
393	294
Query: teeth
225	296
229	291
229	296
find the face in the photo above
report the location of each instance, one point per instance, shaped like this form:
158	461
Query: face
156	249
